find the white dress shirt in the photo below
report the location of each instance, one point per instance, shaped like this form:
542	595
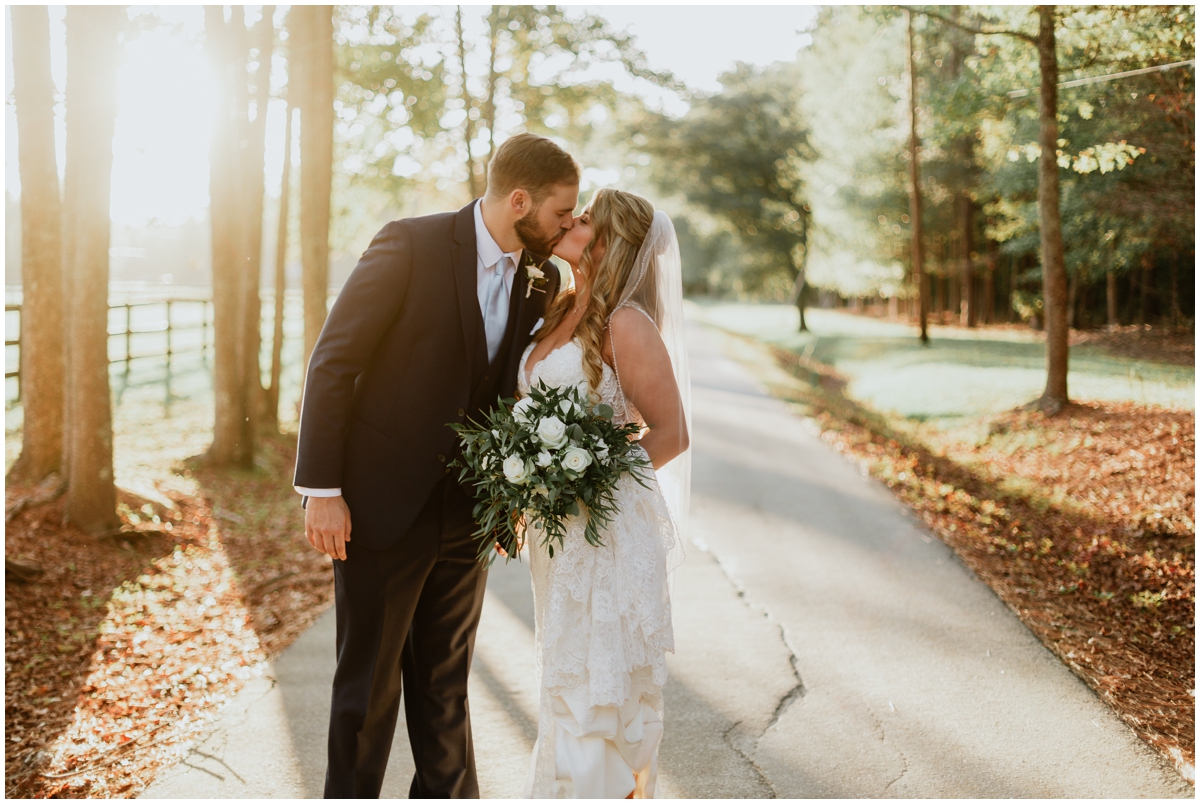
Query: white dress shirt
487	254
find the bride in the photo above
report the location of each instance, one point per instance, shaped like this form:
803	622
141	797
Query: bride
603	614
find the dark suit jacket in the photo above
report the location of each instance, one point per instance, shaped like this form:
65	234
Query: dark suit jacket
402	354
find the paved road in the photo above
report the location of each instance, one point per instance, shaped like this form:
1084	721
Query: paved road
827	646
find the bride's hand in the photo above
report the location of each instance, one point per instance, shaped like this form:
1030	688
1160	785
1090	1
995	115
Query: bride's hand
520	528
520	546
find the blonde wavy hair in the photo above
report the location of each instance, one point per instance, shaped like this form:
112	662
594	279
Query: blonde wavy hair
620	221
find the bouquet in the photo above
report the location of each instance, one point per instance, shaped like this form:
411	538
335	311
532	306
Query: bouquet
544	458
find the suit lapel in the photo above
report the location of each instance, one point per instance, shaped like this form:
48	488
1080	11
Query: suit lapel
525	304
465	259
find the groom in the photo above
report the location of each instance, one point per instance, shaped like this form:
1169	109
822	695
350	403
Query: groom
428	330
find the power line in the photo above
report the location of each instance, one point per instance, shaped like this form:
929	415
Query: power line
1096	79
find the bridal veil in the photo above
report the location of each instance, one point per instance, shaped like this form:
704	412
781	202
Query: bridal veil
655	286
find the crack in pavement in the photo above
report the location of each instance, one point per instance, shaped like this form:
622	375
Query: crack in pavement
225	720
730	739
903	771
883	741
794	693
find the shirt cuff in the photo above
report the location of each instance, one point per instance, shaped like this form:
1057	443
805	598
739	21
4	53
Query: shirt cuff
318	492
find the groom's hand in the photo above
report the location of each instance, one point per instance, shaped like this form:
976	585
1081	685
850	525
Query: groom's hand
327	525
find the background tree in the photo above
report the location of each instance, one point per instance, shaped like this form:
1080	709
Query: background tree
914	192
953	102
539	59
476	181
422	102
735	155
1122	157
42	358
254	157
242	60
854	96
1128	198
313	62
281	252
91	114
227	46
1051	248
1054	271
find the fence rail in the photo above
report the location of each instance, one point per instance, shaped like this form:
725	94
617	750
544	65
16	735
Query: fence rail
13	308
142	347
168	326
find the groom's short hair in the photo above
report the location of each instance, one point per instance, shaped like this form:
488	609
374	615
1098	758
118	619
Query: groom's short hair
530	163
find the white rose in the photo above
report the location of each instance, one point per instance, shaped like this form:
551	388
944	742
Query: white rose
520	410
576	459
534	272
569	408
552	432
544	458
515	470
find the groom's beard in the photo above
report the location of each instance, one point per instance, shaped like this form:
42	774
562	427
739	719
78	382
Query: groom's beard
532	240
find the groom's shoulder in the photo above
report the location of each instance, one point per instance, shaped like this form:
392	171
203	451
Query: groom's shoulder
437	223
436	220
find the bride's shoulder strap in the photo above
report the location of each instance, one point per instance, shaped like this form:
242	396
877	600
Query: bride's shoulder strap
637	307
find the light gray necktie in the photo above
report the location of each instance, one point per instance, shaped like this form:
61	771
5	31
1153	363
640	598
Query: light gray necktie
495	315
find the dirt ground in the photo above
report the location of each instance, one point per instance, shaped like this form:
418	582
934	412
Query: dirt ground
120	650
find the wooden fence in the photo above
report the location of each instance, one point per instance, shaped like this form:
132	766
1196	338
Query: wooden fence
168	327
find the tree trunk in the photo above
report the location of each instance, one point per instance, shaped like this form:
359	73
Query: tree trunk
42	355
963	298
1013	269
475	177
489	109
1176	314
988	307
232	430
91	114
1144	289
256	394
954	292
281	246
1072	295
1110	287
915	195
799	297
316	167
969	312
1054	275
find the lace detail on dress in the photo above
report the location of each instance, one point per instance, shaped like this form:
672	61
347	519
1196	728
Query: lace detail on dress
564	366
602	614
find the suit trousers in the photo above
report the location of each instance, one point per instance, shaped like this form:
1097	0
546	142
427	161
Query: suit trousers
406	622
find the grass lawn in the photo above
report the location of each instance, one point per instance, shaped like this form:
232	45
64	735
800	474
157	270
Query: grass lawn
961	375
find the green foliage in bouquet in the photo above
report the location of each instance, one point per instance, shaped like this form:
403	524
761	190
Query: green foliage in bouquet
542	459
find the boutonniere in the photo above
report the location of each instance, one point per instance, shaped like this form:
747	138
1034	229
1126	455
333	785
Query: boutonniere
537	279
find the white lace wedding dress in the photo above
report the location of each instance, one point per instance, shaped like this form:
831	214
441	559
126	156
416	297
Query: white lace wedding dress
603	620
